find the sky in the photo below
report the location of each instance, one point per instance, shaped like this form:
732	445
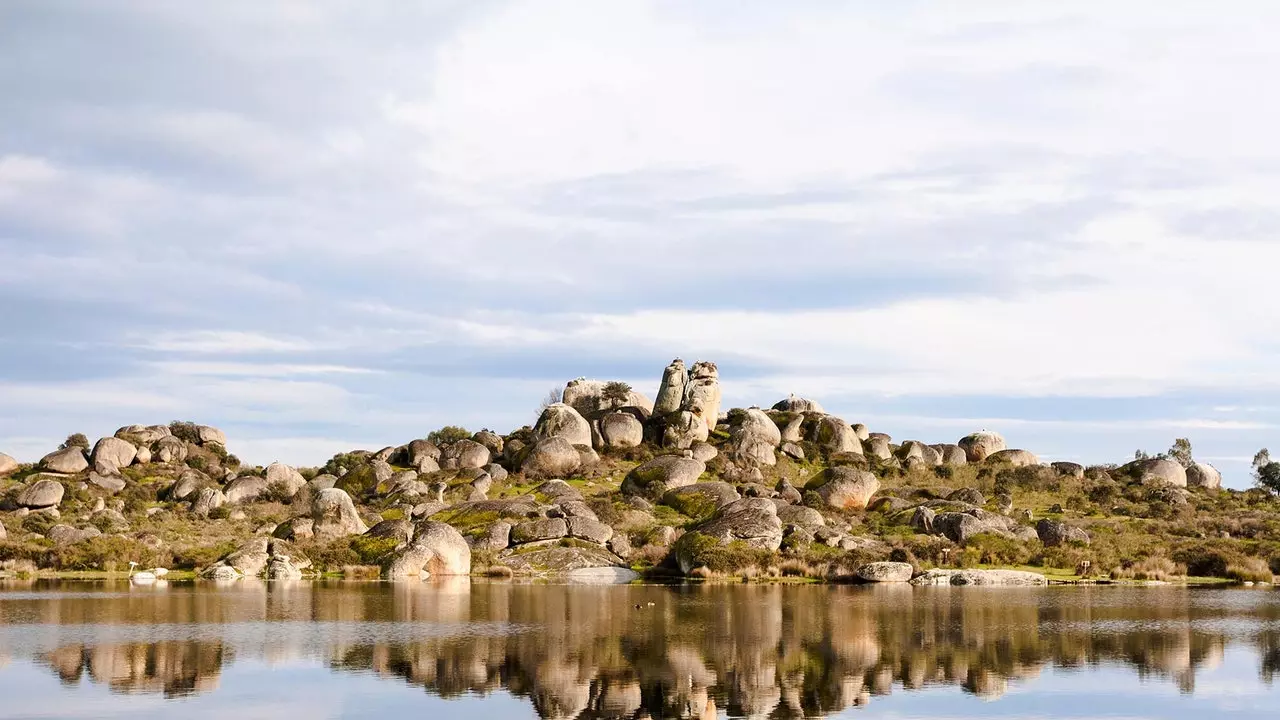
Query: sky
330	225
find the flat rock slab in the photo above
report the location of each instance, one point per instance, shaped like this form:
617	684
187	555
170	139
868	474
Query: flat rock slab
994	578
602	576
558	561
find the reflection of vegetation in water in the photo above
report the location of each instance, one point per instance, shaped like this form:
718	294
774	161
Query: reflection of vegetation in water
596	652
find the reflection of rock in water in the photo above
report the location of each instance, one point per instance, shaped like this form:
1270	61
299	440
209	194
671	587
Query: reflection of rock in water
174	669
599	653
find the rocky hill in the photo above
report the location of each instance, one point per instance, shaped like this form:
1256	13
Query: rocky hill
607	483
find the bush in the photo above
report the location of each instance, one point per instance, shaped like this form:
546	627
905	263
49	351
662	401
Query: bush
997	550
105	552
448	434
723	558
198	462
185	431
1152	568
77	440
202	556
1249	569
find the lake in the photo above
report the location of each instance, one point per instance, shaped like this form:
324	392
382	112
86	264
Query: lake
480	649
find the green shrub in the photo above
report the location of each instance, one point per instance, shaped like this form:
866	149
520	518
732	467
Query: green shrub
185	431
371	550
997	550
723	558
105	552
77	440
1248	569
202	556
198	462
221	512
448	434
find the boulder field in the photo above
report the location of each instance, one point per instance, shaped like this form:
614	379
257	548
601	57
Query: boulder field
606	483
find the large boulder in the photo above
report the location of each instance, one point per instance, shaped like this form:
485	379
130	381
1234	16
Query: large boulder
700	499
753	521
245	489
837	436
671	390
1169	471
877	446
437	549
561	420
665	472
753	438
110	454
540	529
1053	533
1199	475
621	430
111	483
553	457
250	559
571	563
1068	469
918	451
211	435
795	404
585	528
143	434
980	577
335	516
844	487
169	449
41	494
400	530
958	527
801	516
469	454
952	455
977	446
683	429
283	480
1016	458
68	460
702	394
885	572
7	465
207	500
587	397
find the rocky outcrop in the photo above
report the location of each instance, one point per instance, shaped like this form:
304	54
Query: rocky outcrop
919	452
877	446
68	461
588	398
952	455
1053	533
538	530
1201	475
210	434
335	515
700	499
437	549
245	489
561	420
110	454
621	430
169	449
702	393
553	457
980	577
469	454
1016	458
1068	469
683	429
207	500
978	446
666	472
571	563
959	527
845	488
111	483
7	465
41	494
801	516
885	572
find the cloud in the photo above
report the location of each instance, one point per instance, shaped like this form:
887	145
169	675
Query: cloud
331	221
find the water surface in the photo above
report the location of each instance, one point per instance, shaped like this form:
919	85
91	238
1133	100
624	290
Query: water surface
501	650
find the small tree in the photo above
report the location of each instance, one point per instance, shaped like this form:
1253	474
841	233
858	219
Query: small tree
1181	452
616	393
553	396
77	440
1140	455
1266	472
448	434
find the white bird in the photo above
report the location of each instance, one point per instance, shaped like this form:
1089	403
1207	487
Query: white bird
140	575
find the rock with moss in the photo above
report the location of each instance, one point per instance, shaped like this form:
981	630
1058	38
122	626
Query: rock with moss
111	483
437	550
560	561
836	436
701	499
398	529
67	461
844	487
667	472
1053	534
590	530
538	530
752	522
682	429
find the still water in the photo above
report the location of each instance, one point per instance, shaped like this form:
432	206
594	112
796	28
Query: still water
501	650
